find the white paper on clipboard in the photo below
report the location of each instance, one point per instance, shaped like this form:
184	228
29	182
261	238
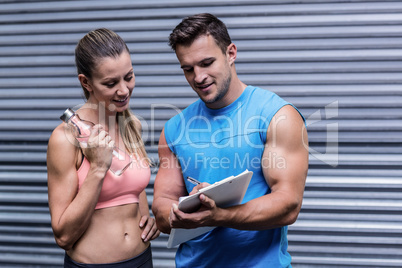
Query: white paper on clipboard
226	193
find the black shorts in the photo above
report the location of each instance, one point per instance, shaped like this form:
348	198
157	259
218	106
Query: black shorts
144	260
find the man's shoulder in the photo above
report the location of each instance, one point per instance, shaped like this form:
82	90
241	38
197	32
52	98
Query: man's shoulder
187	112
271	102
264	98
258	92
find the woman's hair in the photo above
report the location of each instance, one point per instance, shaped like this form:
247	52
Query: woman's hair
90	50
197	25
93	47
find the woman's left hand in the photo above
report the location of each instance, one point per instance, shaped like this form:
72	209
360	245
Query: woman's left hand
149	229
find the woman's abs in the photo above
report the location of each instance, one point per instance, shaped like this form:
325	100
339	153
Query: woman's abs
113	235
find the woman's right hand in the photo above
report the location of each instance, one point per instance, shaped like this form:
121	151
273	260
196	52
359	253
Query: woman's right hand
98	148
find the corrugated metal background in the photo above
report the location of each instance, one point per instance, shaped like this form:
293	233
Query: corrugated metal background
340	62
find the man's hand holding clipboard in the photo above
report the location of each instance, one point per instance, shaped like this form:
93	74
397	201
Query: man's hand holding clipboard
225	193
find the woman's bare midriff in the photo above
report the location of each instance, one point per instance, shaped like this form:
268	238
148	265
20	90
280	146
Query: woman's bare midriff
113	235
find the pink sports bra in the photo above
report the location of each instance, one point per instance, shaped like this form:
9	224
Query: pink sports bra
119	190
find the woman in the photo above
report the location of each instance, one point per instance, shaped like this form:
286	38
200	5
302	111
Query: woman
99	218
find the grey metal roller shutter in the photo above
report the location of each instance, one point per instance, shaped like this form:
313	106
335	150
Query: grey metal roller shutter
339	62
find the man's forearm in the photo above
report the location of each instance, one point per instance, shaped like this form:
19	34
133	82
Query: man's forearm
161	210
261	213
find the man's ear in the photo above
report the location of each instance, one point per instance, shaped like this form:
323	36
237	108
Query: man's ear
85	83
231	53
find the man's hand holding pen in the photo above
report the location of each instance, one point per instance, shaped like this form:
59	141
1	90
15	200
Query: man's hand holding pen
180	219
198	185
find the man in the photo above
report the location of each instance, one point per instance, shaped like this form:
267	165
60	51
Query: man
232	127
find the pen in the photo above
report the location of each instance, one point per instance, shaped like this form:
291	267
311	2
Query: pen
193	181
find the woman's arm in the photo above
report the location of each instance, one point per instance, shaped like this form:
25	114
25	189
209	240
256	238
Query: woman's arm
70	210
147	223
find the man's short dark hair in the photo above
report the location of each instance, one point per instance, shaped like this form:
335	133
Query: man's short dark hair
197	25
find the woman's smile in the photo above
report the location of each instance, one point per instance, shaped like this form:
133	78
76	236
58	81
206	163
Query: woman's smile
121	102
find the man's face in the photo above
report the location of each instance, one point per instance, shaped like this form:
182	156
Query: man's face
207	70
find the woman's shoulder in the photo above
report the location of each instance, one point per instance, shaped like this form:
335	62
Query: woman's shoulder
60	135
62	152
62	142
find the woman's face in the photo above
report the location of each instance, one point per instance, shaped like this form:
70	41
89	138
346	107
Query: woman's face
112	83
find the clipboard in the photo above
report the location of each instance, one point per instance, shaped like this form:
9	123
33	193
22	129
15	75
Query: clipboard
226	193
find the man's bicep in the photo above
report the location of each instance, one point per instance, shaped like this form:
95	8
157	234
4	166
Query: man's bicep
169	179
168	186
285	158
